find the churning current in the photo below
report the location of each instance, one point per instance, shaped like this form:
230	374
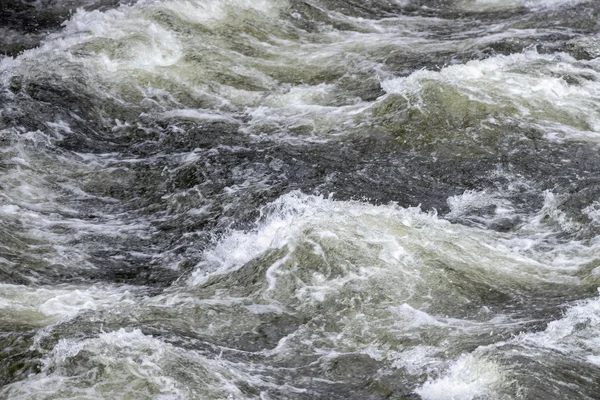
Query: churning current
300	199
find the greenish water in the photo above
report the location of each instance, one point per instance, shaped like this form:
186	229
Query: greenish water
280	199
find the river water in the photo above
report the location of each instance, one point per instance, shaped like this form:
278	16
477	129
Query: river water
299	199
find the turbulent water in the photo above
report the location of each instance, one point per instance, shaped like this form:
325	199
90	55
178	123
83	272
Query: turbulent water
299	199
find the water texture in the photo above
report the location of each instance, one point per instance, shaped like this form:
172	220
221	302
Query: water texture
299	199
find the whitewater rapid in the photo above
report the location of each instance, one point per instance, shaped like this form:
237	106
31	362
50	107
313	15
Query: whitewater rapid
286	199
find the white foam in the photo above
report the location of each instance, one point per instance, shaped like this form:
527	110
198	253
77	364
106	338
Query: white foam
415	360
138	55
576	334
200	115
127	364
43	306
468	378
393	230
377	273
593	211
529	84
573	338
134	362
471	200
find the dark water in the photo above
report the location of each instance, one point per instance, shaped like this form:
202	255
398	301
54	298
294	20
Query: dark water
280	199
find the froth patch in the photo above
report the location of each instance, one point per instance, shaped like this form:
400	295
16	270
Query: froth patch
393	236
576	334
553	93
42	306
373	274
126	364
468	378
